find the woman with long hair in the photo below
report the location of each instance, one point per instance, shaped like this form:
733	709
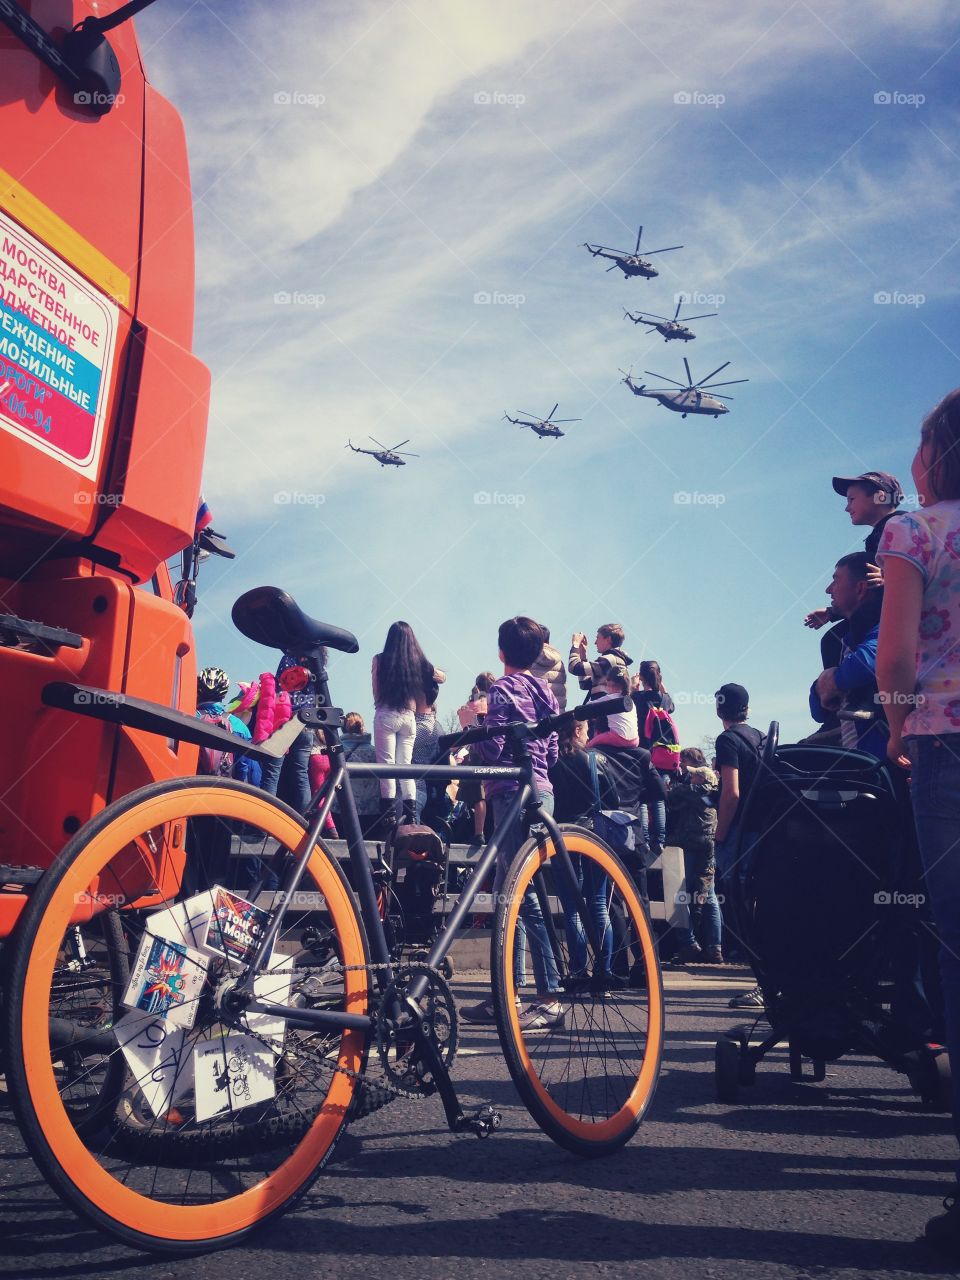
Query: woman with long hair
918	677
404	683
650	692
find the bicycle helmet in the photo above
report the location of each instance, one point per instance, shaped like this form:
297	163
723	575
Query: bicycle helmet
213	684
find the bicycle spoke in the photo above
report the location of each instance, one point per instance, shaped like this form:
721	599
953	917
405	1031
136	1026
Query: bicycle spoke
184	1098
579	1064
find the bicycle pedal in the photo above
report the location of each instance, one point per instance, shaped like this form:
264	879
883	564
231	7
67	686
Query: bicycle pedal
482	1122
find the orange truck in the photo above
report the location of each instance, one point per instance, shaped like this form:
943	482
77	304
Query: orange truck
103	415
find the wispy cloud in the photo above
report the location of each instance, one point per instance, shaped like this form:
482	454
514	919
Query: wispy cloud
463	150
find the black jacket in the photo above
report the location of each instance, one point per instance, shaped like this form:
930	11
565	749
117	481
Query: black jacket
637	781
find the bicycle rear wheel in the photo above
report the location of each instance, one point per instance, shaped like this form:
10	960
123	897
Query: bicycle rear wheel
587	1074
211	1121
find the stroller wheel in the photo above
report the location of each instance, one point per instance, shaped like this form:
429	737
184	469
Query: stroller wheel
726	1069
747	1066
933	1080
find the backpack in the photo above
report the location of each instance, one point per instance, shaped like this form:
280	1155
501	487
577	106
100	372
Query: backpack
213	760
661	732
614	826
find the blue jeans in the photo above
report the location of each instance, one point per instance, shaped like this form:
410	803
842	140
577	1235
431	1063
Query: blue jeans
729	875
289	778
699	876
935	787
530	923
653	823
595	887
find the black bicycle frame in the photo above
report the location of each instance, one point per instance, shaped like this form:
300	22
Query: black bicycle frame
526	798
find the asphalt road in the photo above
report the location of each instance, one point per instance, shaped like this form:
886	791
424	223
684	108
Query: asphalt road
801	1180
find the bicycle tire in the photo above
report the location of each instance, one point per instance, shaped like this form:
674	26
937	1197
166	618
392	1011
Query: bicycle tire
588	1082
87	994
154	1208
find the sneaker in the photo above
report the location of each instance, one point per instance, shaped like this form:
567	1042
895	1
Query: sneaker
712	955
480	1013
749	1000
688	955
546	1016
638	975
943	1231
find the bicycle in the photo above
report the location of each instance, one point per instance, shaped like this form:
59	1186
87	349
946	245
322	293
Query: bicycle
183	1149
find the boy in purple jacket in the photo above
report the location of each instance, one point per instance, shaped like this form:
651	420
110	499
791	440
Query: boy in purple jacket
518	696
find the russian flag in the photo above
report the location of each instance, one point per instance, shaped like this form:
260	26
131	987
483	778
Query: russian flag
204	518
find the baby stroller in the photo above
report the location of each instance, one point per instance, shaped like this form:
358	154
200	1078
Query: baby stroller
419	862
815	894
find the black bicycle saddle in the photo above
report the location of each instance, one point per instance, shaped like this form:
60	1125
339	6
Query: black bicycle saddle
272	617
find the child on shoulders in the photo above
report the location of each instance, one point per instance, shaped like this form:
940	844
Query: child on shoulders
622	727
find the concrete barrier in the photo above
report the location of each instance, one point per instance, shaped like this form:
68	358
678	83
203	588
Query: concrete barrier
665	885
665	882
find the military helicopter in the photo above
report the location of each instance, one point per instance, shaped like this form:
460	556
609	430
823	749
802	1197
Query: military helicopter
542	426
671	329
631	264
386	457
695	397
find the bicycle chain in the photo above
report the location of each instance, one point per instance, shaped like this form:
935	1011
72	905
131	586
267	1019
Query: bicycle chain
362	1077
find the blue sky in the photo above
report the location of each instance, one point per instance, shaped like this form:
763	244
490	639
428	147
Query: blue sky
421	154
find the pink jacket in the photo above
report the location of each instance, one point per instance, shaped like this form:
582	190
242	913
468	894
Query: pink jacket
274	708
319	772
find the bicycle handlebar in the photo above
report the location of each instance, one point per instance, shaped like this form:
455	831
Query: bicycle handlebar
527	729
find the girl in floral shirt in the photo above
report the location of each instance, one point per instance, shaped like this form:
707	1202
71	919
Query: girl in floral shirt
918	674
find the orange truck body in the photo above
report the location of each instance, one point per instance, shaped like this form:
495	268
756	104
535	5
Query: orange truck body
103	414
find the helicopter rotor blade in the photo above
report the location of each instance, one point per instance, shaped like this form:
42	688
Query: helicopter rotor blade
639	234
406	455
716	397
378	443
677	312
395	447
689	374
552	412
614	267
710	375
555	421
732	383
669	249
706	315
646	317
663	378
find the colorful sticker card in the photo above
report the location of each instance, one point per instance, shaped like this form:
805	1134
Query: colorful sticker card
184	922
159	1057
273	985
231	1072
166	980
236	926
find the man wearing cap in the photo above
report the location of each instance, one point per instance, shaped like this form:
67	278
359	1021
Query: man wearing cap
872	498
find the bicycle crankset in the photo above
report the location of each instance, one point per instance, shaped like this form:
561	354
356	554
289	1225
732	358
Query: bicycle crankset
399	1029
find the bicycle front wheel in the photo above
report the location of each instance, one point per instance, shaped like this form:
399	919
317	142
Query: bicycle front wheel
585	1053
209	1119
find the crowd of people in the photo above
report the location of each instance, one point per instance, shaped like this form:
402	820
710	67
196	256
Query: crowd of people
889	685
